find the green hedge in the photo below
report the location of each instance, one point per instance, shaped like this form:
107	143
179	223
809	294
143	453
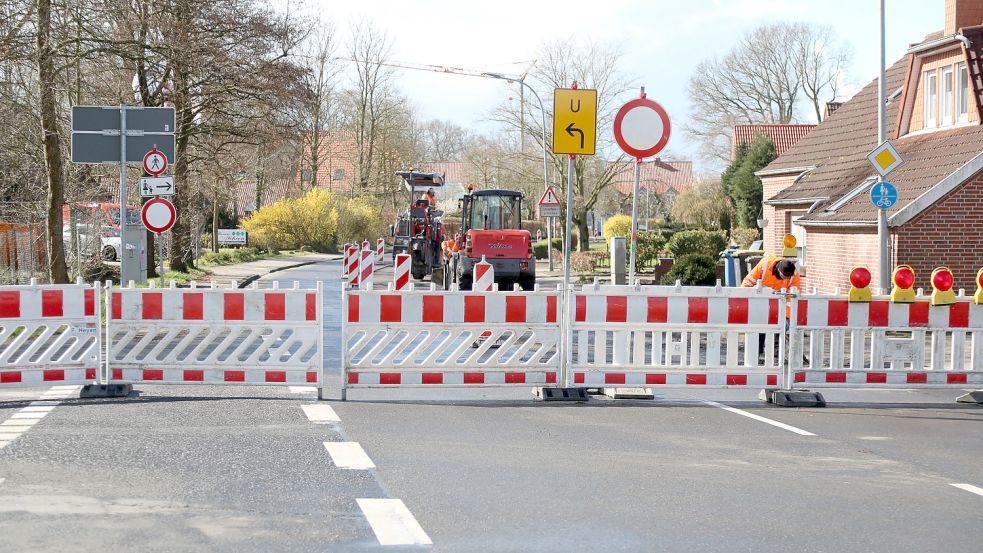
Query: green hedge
539	248
693	270
704	242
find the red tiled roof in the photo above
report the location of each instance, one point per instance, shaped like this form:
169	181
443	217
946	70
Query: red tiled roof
784	136
461	172
659	176
274	190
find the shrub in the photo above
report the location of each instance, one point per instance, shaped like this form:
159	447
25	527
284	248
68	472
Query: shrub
310	220
619	225
358	219
648	247
539	248
583	262
743	237
693	270
705	242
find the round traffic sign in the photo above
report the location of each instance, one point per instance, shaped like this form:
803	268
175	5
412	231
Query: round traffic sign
642	128
883	195
158	215
155	162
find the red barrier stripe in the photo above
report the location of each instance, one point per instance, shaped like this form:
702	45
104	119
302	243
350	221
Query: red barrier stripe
800	377
772	380
10	303
353	308
10	377
737	380
515	309
402	281
153	307
581	314
551	378
312	376
876	378
194	376
235	376
117	301
194	306
737	311
55	374
515	378
551	309
838	313
389	378
234	307
697	310
836	377
390	309
153	374
803	313
658	310
433	309
918	314
474	378
877	314
432	378
655	378
90	374
955	379
959	315
773	311
614	378
617	309
917	378
696	379
52	303
310	307
578	378
276	376
117	374
89	300
474	309
353	378
275	306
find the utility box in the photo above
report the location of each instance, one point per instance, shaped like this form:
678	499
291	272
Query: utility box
619	260
135	236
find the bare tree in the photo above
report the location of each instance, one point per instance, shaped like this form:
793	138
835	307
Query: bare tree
820	61
320	95
371	97
444	141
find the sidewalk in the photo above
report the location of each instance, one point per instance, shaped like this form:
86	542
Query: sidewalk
245	273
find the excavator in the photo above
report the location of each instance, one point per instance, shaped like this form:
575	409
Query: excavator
418	230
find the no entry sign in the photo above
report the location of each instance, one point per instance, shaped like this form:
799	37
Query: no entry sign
642	128
158	215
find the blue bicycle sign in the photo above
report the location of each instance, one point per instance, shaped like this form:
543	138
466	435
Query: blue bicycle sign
883	195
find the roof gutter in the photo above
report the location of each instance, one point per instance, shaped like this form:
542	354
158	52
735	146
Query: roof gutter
796	201
835	224
938	43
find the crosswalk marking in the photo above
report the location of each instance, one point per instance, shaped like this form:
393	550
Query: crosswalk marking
392	522
319	413
349	455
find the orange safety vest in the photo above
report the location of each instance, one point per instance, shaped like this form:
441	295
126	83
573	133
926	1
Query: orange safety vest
764	272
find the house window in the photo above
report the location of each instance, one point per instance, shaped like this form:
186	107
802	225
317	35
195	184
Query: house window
947	95
962	94
931	99
305	175
339	174
799	232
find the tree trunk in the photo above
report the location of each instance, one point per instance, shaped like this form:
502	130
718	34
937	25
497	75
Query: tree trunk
57	268
215	226
181	232
584	238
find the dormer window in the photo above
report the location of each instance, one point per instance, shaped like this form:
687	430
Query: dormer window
962	94
947	95
931	99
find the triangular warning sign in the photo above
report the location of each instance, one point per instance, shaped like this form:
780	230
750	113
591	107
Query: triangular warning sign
549	197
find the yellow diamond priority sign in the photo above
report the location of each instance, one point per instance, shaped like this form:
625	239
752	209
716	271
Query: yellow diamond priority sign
574	121
885	159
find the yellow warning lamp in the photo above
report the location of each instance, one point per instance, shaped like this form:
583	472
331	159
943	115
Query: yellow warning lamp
789	243
942	281
860	284
904	282
978	298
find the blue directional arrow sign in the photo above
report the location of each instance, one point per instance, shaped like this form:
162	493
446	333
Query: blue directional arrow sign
883	195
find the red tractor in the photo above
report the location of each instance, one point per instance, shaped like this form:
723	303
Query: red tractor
491	226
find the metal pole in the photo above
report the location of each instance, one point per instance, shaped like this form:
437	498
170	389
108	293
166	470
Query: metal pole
883	234
160	255
634	221
122	195
565	293
546	182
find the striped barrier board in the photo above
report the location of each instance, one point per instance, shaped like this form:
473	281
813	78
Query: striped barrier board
215	336
50	334
669	336
884	344
380	250
401	272
366	269
430	338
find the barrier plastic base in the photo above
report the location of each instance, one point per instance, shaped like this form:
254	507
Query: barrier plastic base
561	394
972	397
628	393
105	390
792	398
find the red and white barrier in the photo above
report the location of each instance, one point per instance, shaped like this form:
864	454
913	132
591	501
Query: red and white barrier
52	334
663	335
344	261
401	272
380	250
424	338
366	269
883	344
352	271
215	336
484	276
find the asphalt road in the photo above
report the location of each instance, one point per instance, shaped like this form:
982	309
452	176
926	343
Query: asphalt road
188	468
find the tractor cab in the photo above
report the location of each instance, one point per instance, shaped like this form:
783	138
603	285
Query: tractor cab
418	230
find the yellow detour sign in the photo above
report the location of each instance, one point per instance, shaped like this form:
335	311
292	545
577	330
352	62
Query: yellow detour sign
574	121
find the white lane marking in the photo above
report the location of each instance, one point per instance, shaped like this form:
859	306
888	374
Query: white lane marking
876	438
969	488
320	413
35	415
10	436
759	418
4	444
21	422
38	409
392	522
13	429
69	387
302	389
2	480
349	455
43	403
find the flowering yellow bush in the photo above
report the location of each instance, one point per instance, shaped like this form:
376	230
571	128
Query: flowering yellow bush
619	225
310	220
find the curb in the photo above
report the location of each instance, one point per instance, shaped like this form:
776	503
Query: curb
253	278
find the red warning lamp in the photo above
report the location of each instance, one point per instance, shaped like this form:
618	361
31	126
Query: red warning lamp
860	282
942	281
904	281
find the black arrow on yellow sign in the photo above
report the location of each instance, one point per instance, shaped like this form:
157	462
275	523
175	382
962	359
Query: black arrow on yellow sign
571	129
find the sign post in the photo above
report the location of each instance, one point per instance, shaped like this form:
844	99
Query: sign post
884	159
641	129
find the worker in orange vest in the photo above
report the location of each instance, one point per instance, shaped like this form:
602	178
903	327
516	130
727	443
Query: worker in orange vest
777	273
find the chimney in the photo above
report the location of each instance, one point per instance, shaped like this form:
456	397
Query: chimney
831	107
962	13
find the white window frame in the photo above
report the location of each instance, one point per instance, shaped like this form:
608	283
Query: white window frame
947	86
799	232
962	93
931	103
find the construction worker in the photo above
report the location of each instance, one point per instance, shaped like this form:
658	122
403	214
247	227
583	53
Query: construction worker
430	197
777	273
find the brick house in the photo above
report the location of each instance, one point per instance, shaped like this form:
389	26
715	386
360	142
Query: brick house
660	181
819	189
782	136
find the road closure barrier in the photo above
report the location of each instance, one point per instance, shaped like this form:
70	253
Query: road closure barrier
449	338
49	334
215	336
676	336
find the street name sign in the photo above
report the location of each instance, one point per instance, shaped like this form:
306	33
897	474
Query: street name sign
574	121
549	204
156	186
885	159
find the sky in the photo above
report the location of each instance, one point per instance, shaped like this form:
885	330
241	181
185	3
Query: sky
661	42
